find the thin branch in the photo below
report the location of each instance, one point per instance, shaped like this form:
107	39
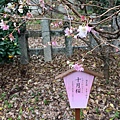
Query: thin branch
105	20
70	6
95	48
107	32
113	8
89	45
78	5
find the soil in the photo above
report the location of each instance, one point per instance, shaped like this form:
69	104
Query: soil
31	92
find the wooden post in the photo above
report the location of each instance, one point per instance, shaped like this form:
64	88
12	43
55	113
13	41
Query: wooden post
23	43
68	46
93	42
46	39
77	114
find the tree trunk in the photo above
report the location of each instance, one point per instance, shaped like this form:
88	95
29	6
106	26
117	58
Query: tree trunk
106	60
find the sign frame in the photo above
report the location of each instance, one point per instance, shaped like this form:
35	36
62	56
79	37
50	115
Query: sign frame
70	71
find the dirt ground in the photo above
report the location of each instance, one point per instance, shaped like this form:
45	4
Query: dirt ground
31	92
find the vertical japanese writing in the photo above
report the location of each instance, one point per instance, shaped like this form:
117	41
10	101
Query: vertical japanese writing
78	79
82	85
78	85
86	83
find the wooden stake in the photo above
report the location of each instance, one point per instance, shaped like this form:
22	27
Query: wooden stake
77	114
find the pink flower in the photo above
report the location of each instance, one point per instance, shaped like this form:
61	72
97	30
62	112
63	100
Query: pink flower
78	67
88	28
11	37
83	18
54	43
56	25
29	15
18	31
60	23
42	4
82	31
68	31
5	15
4	26
117	50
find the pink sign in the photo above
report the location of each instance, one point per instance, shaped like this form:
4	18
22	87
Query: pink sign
78	85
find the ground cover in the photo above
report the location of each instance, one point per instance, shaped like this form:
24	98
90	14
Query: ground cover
30	92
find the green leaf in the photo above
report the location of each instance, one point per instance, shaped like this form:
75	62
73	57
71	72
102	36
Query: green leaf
46	102
117	114
9	105
2	43
9	118
18	52
2	1
13	53
1	49
1	53
21	111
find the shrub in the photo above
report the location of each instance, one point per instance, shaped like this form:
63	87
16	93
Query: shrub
10	28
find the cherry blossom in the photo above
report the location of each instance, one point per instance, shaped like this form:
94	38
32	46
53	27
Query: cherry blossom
56	25
88	28
42	4
68	31
20	9
83	30
83	18
11	37
54	43
29	15
4	15
3	25
9	7
7	10
117	50
78	67
60	23
18	31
